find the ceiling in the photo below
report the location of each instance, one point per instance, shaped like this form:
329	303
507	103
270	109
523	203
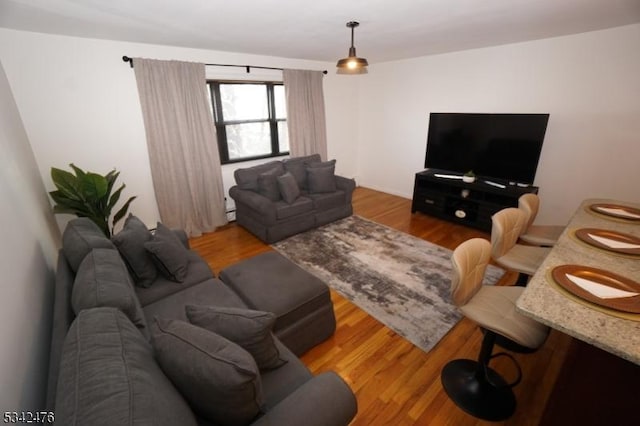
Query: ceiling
316	30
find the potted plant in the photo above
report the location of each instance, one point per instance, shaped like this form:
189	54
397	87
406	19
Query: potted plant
88	194
469	177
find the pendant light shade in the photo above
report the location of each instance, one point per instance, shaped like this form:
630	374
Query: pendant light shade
352	64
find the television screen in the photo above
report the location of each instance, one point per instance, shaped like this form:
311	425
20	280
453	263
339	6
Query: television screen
501	146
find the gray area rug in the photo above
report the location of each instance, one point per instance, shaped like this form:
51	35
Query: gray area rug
401	280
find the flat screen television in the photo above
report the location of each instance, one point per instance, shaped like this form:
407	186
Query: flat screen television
500	146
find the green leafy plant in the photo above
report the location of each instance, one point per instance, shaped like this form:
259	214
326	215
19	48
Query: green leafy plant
88	194
470	174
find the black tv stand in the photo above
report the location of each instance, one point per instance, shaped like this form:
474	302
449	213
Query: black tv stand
470	204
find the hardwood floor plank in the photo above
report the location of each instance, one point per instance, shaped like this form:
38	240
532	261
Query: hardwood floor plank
394	381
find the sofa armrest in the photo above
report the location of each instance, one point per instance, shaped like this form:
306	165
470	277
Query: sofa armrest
325	400
347	185
182	236
254	201
63	316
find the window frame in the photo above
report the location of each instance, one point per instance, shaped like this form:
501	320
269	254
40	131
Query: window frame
220	123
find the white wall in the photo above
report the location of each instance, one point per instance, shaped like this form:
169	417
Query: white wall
79	103
28	240
589	83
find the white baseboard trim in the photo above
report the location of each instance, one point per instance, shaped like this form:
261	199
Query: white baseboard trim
386	190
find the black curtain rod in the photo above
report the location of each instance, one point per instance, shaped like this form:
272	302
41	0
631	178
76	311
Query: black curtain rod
247	67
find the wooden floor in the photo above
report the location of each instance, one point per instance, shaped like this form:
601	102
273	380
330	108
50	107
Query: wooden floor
395	382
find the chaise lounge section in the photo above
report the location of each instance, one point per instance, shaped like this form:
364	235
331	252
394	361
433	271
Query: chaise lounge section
301	302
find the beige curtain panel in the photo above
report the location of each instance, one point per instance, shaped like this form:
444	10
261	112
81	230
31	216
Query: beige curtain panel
181	140
305	112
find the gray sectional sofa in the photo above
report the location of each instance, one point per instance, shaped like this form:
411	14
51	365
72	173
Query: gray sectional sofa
182	350
278	199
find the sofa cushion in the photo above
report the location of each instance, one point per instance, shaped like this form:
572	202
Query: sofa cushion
130	243
80	236
168	254
268	184
279	383
247	178
321	177
328	200
212	292
219	379
102	280
248	328
299	206
108	376
297	166
288	187
270	282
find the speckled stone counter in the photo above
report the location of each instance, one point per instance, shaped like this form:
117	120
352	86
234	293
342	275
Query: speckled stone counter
544	302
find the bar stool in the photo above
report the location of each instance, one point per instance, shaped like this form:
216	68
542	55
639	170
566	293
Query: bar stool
537	235
506	228
473	385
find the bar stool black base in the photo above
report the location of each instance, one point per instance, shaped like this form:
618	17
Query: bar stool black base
477	396
522	280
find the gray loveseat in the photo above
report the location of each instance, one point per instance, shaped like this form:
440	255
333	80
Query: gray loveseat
281	198
125	354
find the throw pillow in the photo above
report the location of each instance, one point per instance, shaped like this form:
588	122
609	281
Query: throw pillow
268	184
248	328
299	170
108	376
102	280
130	243
288	187
321	177
219	379
330	163
247	178
168	253
297	166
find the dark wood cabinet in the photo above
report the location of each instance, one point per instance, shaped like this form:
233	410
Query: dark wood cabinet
470	204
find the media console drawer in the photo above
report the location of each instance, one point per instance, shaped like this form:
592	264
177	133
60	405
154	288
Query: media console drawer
433	199
471	204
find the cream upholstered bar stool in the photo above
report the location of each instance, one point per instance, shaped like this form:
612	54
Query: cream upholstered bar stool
473	385
537	235
506	228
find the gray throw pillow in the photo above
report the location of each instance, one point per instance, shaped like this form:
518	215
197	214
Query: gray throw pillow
80	236
268	184
321	177
329	163
248	328
247	178
288	187
102	280
299	171
130	243
168	253
220	380
297	166
108	376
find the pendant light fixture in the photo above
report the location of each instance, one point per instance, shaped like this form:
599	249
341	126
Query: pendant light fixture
352	64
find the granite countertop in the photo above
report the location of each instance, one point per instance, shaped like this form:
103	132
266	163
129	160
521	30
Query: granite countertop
547	304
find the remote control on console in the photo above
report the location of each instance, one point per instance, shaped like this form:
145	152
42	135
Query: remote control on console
497	185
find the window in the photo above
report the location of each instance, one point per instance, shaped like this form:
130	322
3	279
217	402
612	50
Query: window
250	119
